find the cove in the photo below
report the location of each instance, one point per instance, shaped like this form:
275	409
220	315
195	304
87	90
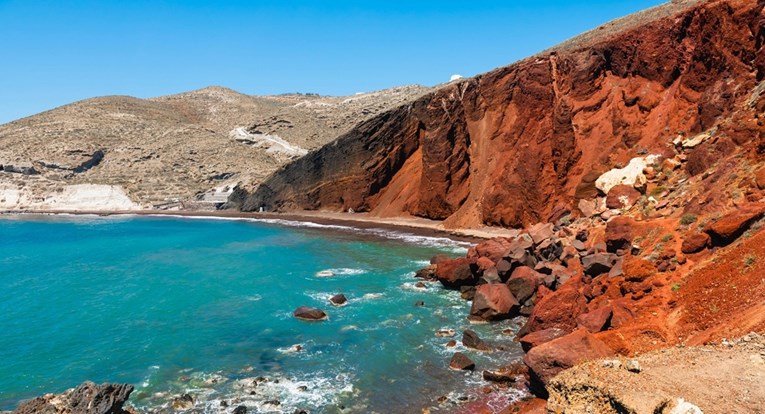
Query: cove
202	306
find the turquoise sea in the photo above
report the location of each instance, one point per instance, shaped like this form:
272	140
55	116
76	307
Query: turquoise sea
202	306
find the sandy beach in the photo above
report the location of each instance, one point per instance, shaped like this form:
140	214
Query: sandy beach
414	225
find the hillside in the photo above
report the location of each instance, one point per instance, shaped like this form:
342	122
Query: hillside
164	152
515	145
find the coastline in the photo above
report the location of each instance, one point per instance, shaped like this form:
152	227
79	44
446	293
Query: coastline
413	225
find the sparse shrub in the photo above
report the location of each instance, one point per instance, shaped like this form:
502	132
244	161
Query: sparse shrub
749	260
676	287
658	190
667	237
688	219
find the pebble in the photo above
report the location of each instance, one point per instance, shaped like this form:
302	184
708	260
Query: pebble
633	366
612	363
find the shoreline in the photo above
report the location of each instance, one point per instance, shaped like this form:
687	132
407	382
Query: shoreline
414	225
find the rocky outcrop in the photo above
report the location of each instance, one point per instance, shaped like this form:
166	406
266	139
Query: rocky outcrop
87	398
516	145
549	359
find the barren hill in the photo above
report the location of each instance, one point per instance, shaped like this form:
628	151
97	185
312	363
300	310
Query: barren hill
166	151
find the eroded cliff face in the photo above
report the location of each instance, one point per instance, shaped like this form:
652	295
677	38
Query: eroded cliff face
511	146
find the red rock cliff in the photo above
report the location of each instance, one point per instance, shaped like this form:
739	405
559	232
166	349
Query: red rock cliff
507	147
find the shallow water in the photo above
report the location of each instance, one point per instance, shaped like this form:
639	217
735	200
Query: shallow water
203	306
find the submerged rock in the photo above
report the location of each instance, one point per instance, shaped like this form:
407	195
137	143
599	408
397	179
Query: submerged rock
87	398
310	314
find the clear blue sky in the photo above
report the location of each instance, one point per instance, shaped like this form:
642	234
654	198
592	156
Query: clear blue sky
56	52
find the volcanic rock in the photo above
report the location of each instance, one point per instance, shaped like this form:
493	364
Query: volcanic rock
88	398
598	263
595	321
695	242
557	309
309	314
548	359
506	374
455	273
622	196
539	337
470	339
732	225
540	232
493	302
338	300
460	362
523	282
619	234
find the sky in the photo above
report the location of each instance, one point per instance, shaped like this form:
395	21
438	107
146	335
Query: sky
57	52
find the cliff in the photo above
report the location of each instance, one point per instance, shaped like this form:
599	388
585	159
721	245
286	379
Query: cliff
515	145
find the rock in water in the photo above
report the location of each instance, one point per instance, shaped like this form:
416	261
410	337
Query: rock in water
338	300
309	314
470	339
461	362
87	398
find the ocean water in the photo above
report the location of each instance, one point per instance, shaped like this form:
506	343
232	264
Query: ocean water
201	306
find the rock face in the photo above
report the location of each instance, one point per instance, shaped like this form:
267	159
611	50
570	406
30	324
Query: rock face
87	398
510	146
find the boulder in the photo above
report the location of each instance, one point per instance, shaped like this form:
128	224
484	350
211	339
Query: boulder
427	273
557	309
759	178
338	300
622	197
547	360
88	398
523	282
470	339
521	257
489	276
619	234
460	362
598	263
539	337
483	263
732	225
631	175
540	232
493	302
309	314
493	249
455	273
596	320
695	242
506	374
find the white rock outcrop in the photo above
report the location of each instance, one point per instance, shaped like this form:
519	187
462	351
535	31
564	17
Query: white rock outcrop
631	175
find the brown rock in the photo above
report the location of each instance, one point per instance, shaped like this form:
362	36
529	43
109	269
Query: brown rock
622	196
470	339
557	309
88	398
539	337
547	360
339	299
493	302
460	362
540	232
618	234
637	269
455	273
695	242
309	314
493	249
598	263
506	374
595	321
427	273
523	282
732	225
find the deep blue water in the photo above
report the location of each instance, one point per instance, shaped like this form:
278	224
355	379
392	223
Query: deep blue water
188	305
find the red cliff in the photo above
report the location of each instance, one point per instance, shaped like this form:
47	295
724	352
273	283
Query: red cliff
510	146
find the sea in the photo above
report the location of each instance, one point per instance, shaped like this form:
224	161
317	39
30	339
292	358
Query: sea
204	307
